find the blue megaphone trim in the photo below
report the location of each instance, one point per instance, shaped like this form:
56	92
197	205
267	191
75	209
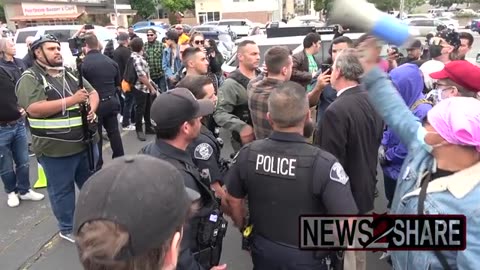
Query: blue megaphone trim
391	30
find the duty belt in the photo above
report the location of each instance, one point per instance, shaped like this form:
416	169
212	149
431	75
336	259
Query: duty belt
105	98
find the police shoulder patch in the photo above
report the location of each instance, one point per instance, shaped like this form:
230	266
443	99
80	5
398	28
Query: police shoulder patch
338	174
203	151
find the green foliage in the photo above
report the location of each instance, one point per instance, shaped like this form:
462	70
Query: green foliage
178	5
2	14
144	8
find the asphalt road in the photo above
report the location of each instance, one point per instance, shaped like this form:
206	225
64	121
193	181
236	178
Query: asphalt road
29	237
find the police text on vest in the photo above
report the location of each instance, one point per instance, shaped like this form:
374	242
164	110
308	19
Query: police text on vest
276	166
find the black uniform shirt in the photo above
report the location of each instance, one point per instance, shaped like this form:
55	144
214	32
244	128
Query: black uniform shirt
330	181
183	157
102	72
205	153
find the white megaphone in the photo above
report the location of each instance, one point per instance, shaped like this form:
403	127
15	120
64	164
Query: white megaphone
367	17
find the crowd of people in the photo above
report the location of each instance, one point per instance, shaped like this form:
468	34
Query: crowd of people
307	139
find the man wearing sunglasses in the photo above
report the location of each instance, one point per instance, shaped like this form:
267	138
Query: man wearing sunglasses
154	53
457	79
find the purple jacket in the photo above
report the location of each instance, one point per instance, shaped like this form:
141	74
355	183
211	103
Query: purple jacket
408	80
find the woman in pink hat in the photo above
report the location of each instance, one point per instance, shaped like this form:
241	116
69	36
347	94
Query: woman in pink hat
441	174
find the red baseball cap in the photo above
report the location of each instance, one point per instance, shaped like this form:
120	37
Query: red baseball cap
461	72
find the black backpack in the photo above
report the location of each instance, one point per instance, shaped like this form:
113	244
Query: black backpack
130	76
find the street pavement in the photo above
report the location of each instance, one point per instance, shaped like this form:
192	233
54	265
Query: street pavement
29	237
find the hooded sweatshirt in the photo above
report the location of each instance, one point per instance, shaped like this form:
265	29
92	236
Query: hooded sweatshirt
408	81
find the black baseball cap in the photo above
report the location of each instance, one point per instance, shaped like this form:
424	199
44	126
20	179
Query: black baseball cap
177	106
417	44
144	194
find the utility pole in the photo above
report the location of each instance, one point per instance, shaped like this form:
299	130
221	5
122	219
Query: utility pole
401	9
116	12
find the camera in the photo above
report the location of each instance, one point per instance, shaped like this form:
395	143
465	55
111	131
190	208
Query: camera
76	44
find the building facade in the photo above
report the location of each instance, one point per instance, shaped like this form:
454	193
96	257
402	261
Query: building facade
259	11
21	13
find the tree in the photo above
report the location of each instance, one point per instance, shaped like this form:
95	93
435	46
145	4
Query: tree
144	8
178	5
446	3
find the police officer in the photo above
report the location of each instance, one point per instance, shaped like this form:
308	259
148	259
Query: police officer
177	114
305	178
205	149
103	73
232	111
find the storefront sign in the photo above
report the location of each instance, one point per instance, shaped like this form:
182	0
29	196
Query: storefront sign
47	9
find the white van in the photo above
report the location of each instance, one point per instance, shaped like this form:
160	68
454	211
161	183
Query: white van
62	33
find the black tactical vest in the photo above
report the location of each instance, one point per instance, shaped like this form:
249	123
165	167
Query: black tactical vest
241	111
63	126
279	179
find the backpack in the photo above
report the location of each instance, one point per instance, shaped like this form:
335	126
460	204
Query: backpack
130	76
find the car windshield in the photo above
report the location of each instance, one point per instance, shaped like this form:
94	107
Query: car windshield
263	49
22	36
61	34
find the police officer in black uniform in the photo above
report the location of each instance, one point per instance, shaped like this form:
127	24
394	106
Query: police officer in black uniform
284	177
177	115
205	149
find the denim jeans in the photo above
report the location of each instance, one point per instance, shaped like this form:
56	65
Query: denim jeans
14	149
161	83
62	175
128	112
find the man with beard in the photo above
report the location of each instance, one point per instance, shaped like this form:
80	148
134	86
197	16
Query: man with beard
414	53
50	95
178	115
232	111
278	61
284	177
154	53
205	149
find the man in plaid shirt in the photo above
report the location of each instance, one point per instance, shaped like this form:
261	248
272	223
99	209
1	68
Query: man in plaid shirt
144	90
279	67
153	51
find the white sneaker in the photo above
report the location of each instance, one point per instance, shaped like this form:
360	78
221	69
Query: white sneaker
13	200
32	196
129	128
120	118
68	236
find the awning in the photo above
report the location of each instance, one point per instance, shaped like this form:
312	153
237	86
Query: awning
47	17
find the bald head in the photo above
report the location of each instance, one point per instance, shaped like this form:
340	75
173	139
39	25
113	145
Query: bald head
29	40
288	105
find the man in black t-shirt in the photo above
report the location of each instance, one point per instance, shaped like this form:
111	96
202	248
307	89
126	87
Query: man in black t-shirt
13	135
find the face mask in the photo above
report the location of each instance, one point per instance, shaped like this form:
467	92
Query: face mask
435	50
422	133
438	95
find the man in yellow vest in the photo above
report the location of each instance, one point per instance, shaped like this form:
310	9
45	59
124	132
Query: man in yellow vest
50	96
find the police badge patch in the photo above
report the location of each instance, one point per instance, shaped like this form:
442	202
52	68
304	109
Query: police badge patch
338	174
203	151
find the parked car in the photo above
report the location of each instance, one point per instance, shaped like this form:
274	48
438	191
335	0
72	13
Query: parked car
241	27
142	24
423	26
475	25
62	33
451	23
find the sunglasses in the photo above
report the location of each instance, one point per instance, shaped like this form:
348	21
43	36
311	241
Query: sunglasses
198	42
150	35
